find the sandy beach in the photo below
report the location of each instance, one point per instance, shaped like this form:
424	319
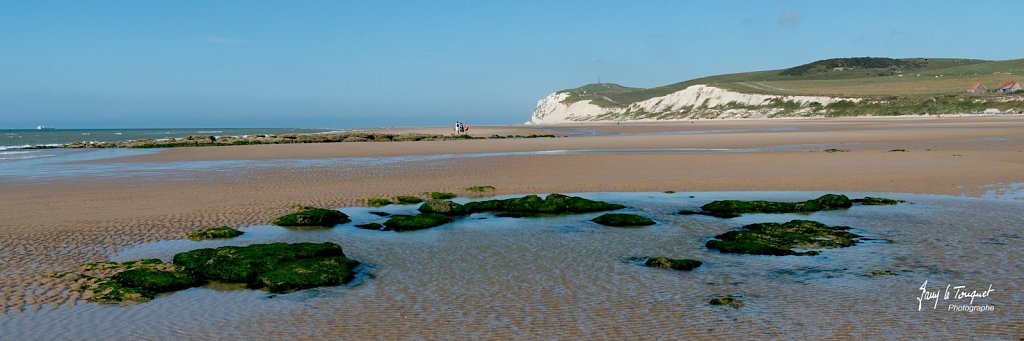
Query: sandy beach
53	225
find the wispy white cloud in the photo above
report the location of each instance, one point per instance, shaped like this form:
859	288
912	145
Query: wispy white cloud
788	19
214	39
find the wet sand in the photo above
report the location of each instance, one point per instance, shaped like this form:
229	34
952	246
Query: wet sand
52	225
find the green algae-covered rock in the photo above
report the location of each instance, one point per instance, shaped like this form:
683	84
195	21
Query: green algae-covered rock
130	282
532	205
876	201
402	223
313	216
308	273
408	200
153	281
480	189
371	226
776	239
623	220
378	202
725	301
671	263
733	208
279	267
219	232
443	207
881	272
442	195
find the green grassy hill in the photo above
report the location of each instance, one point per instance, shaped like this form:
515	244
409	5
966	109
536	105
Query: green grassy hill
910	80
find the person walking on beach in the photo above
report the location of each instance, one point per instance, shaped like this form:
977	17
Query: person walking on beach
457	126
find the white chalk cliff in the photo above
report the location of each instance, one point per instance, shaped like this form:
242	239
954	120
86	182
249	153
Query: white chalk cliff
694	102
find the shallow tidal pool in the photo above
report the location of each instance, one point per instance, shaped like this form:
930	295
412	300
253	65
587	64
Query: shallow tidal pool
566	277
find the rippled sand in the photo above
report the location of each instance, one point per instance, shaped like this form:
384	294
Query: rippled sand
568	278
63	214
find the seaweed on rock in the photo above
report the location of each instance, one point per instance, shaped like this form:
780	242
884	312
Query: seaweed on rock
279	267
442	195
313	216
726	301
408	199
218	232
402	223
734	208
876	201
672	263
132	281
623	220
776	239
443	207
532	205
378	202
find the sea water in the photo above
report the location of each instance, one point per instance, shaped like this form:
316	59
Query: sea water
566	277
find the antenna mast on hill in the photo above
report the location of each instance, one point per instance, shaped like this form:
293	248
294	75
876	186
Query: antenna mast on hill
598	79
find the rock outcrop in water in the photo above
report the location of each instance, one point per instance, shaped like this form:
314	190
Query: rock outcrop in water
403	223
672	263
874	201
219	232
277	267
623	220
439	212
774	239
312	217
734	208
532	205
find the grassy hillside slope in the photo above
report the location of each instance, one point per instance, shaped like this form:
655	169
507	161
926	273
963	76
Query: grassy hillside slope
909	80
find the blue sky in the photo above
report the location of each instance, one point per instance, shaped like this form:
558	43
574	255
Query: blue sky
95	64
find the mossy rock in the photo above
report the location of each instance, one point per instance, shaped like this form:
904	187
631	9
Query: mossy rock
623	220
313	216
442	195
153	281
443	207
371	226
671	263
380	214
532	205
734	208
219	232
774	239
402	223
408	200
307	273
480	189
279	267
876	201
378	202
881	272
725	301
132	281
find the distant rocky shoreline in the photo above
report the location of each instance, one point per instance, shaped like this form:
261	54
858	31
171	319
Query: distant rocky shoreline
211	140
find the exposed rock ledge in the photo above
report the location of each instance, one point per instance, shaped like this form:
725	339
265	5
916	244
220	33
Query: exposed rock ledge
694	102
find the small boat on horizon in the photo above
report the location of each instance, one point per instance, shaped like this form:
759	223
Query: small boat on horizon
42	127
